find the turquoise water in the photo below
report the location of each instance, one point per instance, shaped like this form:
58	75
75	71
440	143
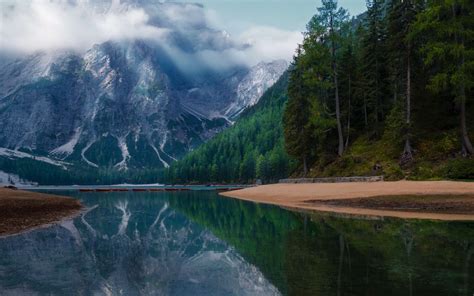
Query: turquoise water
197	243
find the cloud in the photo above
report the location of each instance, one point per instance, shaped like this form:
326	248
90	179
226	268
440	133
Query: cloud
185	15
184	30
29	26
256	45
269	43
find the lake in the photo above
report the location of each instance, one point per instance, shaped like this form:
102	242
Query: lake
197	243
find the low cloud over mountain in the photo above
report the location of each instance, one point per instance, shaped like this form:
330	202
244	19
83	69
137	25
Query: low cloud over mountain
184	30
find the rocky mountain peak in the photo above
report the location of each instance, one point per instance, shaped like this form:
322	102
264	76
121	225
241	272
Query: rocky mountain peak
135	102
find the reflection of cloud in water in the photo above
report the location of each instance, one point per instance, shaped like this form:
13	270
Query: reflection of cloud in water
85	257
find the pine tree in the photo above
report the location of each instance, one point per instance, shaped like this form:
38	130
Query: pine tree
296	117
402	50
374	62
348	73
450	51
327	26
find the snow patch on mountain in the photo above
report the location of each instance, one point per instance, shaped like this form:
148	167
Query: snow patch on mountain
84	158
165	164
12	154
68	148
122	165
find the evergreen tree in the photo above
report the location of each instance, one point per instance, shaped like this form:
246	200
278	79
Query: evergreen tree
348	73
374	62
326	27
402	51
297	112
449	50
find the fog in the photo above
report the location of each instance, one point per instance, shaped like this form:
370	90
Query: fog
28	26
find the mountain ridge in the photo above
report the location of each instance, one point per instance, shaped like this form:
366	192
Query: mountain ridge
126	104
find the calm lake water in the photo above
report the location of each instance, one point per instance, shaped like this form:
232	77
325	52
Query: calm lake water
197	243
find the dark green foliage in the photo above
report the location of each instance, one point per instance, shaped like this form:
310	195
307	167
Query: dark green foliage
298	132
320	254
374	66
48	174
252	148
460	169
449	52
406	83
104	152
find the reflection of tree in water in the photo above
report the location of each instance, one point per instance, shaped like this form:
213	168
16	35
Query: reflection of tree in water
407	238
469	249
331	256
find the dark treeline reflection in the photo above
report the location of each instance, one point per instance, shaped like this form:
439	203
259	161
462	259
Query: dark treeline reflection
305	254
197	243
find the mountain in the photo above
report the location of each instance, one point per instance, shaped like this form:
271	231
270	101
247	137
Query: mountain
129	103
253	148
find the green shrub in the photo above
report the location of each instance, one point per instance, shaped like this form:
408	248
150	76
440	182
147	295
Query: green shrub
460	169
439	147
392	171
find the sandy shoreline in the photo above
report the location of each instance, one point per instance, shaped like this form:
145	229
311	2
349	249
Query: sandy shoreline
342	198
23	210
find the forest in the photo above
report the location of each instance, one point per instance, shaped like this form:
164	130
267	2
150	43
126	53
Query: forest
386	93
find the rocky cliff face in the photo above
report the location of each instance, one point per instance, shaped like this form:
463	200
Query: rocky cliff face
127	103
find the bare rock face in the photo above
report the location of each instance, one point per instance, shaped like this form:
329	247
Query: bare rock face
128	103
253	84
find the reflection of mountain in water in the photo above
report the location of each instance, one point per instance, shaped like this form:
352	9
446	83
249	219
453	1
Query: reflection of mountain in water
195	243
126	246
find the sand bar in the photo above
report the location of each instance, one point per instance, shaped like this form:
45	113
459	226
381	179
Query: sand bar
355	198
24	210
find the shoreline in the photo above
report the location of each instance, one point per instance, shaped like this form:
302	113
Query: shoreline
432	200
22	211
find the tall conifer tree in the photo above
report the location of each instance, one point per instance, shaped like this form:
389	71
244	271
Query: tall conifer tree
450	51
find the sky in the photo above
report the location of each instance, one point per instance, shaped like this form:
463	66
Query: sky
237	16
260	30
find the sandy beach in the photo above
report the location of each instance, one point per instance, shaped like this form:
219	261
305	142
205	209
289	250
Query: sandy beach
436	200
24	210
